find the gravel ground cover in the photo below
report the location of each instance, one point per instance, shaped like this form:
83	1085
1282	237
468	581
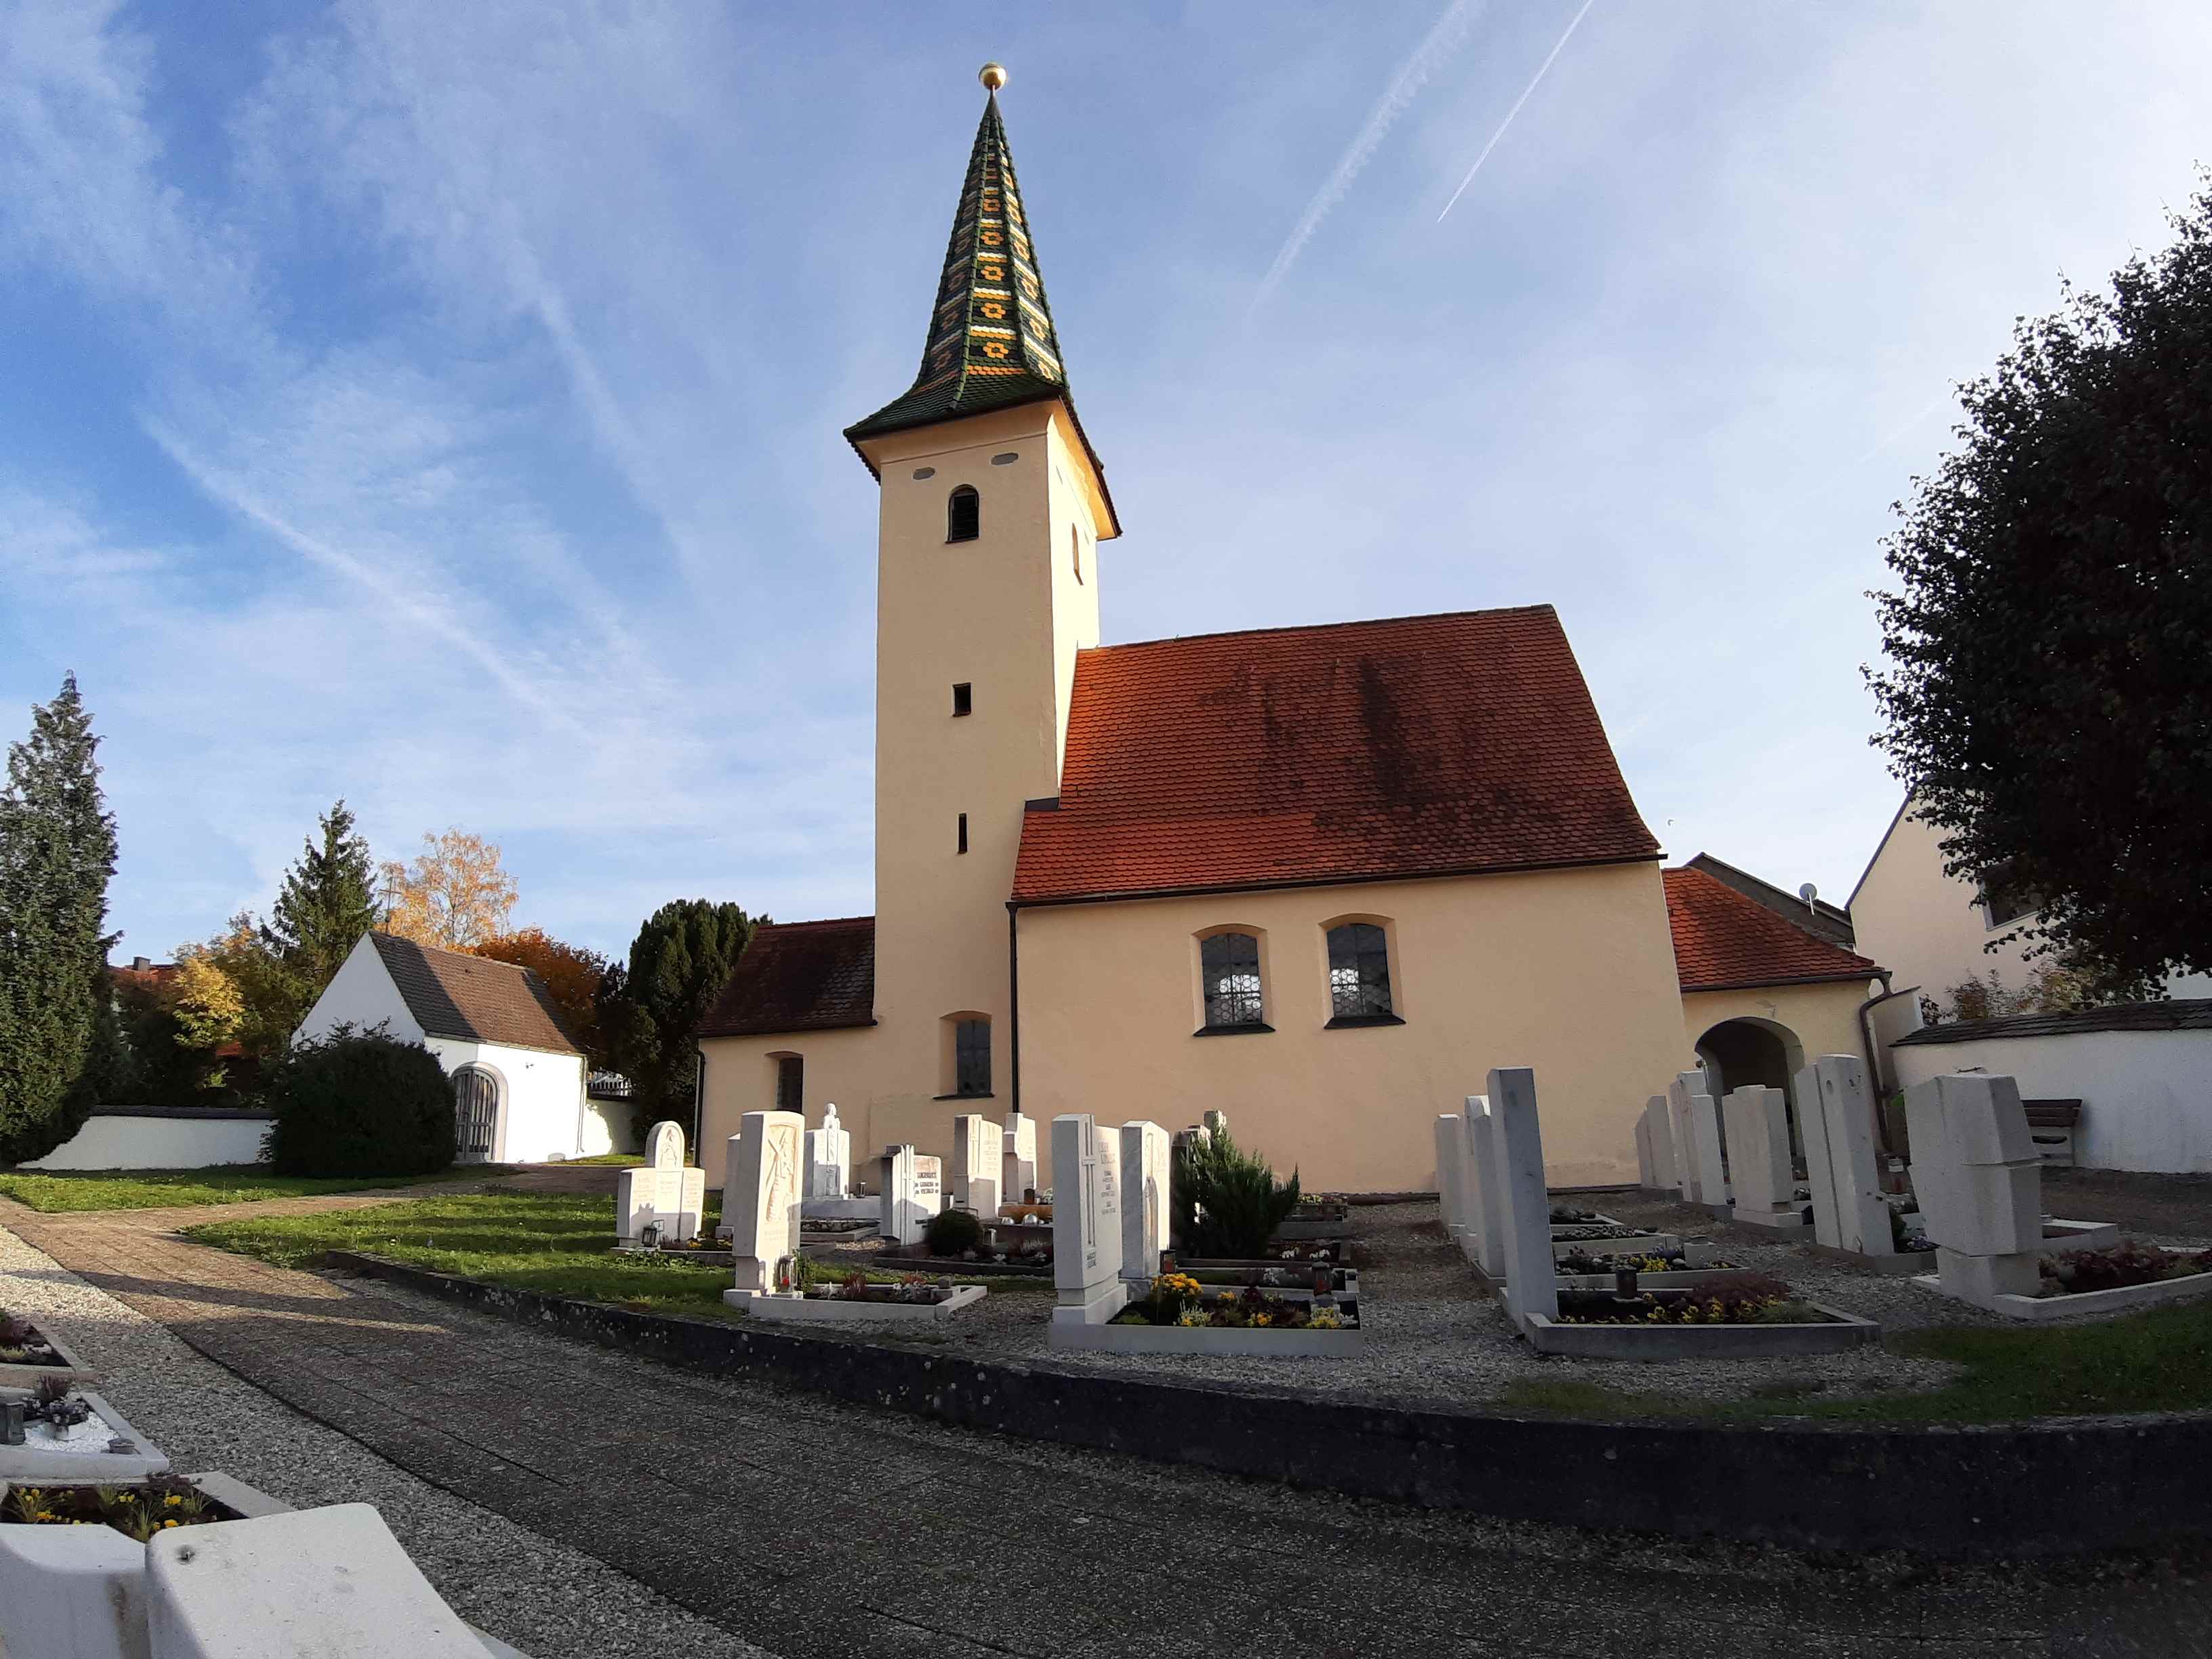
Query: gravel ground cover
545	1598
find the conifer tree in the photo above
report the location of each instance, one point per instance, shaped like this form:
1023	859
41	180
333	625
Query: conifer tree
328	901
651	1007
56	854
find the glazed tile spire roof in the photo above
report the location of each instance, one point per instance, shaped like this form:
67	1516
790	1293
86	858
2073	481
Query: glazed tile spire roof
992	343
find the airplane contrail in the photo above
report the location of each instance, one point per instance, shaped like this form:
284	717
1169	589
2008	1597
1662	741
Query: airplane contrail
1515	111
1449	32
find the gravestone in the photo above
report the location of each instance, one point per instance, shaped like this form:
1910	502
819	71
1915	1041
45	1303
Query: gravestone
978	1164
1532	1286
762	1201
1020	1177
828	1157
1482	1189
1214	1123
1451	1174
1086	1223
913	1191
1660	1123
1760	1176
664	1190
1842	1167
1145	1177
1980	1181
1707	1140
1685	1144
1647	1169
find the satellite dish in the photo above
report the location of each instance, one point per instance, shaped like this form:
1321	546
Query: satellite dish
1808	893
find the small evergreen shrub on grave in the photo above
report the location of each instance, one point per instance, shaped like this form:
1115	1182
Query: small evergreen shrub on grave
1226	1201
949	1233
360	1104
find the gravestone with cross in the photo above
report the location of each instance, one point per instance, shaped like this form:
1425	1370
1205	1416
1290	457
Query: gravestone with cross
828	1157
1086	1222
664	1191
762	1203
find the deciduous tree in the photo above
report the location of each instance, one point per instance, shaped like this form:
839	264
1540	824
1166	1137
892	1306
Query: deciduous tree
57	854
2051	704
455	895
573	976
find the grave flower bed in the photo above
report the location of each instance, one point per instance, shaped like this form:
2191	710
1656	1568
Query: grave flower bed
2080	1272
1741	1299
911	1290
1672	1260
138	1511
29	1356
1178	1299
1579	1233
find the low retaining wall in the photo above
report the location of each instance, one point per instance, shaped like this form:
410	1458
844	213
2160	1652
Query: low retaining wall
2038	1489
158	1137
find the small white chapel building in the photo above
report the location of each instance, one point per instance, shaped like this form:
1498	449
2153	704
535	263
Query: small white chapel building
518	1075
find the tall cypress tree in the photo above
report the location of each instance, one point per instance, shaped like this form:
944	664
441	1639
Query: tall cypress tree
327	903
56	854
651	1007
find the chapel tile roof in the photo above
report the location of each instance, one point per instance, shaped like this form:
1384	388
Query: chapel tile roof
454	995
799	977
1724	939
991	343
1294	756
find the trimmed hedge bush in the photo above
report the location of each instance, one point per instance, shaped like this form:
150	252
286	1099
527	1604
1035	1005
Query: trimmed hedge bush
360	1104
951	1232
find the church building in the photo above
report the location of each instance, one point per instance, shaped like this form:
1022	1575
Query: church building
1319	878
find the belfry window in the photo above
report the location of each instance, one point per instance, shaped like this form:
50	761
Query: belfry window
1358	974
964	515
964	832
1229	969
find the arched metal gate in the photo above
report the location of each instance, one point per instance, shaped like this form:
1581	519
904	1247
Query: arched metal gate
476	1114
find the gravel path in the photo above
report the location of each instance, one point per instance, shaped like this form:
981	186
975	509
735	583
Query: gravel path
545	1598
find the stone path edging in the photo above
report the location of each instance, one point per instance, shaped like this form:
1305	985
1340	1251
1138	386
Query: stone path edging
1964	1492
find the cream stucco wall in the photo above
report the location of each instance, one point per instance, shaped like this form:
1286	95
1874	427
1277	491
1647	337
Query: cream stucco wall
1572	972
1926	928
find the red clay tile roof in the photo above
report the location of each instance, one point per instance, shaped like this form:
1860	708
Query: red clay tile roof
1294	757
799	977
1723	939
454	995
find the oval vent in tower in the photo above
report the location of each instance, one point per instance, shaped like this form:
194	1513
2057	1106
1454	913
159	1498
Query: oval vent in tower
1006	458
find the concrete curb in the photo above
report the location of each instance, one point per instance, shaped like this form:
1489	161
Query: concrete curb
1962	1492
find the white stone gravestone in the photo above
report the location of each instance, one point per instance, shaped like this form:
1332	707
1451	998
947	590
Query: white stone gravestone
1451	1174
1685	1142
664	1190
1020	1178
1532	1285
1707	1140
1483	1191
1665	1171
1214	1123
762	1205
1760	1181
732	1173
828	1157
1144	1176
1835	1110
1980	1181
1647	1168
978	1164
911	1194
1086	1223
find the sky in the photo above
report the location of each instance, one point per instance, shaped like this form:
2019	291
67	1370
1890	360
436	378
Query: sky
439	406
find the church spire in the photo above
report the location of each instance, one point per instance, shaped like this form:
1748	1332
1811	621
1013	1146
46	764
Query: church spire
991	339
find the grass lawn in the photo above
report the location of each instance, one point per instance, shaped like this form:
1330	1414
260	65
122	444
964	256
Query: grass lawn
553	1242
620	1160
154	1190
2159	1361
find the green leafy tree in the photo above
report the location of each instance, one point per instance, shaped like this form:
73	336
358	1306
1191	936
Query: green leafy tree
56	854
651	1006
2051	704
328	901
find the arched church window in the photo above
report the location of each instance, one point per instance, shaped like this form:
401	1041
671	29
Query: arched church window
964	515
1358	974
1229	968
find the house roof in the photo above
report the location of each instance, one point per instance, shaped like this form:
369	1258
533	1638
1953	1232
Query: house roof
990	342
2182	1014
1821	919
1448	744
1724	939
799	977
454	995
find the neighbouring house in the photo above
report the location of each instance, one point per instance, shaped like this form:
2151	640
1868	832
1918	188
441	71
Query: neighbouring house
1321	878
518	1075
1935	931
1766	989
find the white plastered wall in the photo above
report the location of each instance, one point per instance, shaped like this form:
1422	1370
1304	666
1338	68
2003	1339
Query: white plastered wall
541	1097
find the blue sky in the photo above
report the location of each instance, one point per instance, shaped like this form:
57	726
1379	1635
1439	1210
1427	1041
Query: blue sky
439	405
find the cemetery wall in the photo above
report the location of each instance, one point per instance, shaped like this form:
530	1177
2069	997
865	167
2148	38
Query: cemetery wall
158	1137
1569	971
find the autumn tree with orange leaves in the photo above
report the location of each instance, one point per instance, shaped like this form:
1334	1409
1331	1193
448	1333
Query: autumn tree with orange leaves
455	897
572	975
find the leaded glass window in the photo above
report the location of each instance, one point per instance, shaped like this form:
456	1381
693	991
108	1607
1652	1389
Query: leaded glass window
971	1057
1230	965
1358	971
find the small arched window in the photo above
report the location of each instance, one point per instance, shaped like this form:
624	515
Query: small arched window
1075	552
963	514
1229	967
1358	972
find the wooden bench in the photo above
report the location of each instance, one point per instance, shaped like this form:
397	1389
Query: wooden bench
2051	1126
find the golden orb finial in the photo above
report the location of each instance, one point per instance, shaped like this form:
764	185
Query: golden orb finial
992	75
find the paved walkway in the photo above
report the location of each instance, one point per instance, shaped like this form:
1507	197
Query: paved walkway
817	1529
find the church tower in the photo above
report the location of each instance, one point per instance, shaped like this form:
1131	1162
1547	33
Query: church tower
993	506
